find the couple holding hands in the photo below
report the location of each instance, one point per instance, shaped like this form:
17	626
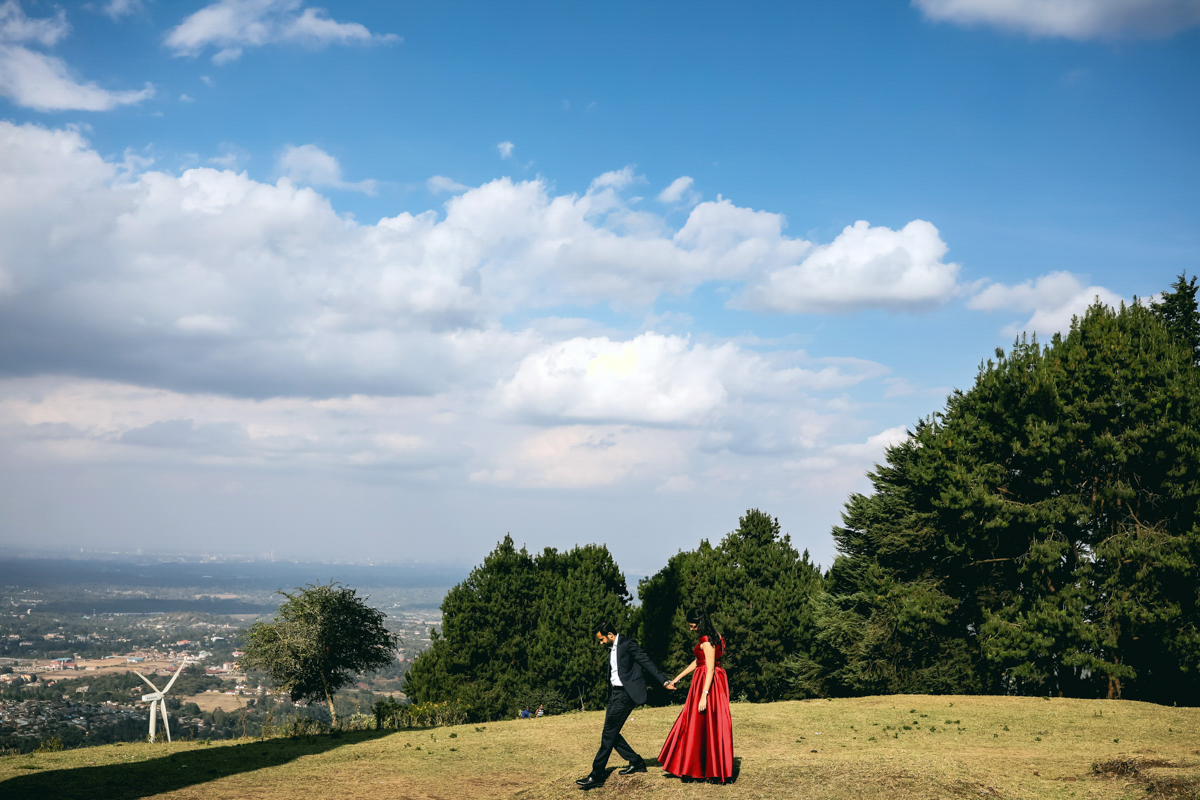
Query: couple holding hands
700	744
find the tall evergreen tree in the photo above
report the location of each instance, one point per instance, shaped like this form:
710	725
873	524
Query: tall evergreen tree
1040	535
758	590
520	626
1179	313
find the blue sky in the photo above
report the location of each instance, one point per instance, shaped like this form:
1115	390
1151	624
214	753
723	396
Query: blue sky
392	279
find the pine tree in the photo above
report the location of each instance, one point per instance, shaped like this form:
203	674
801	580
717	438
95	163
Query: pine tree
1179	313
583	587
757	589
1012	543
519	628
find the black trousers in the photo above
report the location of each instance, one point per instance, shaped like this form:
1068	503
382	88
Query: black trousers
620	706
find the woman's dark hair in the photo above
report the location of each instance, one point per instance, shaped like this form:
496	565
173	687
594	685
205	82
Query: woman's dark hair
699	617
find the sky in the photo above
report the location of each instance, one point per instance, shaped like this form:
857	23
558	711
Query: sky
368	280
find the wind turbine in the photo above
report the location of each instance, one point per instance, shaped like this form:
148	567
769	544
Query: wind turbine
159	697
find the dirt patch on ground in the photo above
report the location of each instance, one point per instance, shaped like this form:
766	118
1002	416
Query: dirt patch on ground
969	789
211	701
1154	774
1130	767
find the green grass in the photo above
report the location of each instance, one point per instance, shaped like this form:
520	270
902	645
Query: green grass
906	747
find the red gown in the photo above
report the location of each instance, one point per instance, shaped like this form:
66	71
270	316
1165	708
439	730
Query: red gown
700	745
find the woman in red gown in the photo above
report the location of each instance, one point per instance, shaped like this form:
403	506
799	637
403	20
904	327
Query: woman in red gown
700	745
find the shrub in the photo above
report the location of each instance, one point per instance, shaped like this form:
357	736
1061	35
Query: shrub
51	745
390	714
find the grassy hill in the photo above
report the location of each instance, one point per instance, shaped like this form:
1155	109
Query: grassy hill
907	747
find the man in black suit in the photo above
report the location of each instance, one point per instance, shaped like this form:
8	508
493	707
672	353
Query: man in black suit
627	665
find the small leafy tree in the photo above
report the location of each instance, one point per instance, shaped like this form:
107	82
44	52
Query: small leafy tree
322	637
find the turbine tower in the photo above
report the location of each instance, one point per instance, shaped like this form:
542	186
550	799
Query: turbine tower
159	697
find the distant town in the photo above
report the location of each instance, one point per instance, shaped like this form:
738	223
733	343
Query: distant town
70	676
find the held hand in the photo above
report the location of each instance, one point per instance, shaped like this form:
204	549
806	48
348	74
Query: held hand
669	685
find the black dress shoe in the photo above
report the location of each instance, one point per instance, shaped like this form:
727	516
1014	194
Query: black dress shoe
590	782
632	768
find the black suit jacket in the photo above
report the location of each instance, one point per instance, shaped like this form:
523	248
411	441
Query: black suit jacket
632	666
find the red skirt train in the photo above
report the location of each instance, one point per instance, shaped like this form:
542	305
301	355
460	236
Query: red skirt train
700	745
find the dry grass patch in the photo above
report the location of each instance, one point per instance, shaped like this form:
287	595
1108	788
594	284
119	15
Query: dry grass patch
211	701
908	747
1160	777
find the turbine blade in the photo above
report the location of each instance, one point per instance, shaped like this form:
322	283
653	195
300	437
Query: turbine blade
153	718
171	682
147	680
166	725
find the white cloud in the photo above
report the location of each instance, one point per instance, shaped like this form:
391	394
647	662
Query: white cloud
617	180
440	183
309	164
533	249
873	449
202	323
655	379
43	83
186	98
314	297
582	456
680	192
15	26
211	280
863	267
677	483
1072	19
40	81
105	421
505	149
838	466
232	157
232	25
1054	299
122	8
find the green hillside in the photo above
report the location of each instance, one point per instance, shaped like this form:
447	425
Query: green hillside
908	746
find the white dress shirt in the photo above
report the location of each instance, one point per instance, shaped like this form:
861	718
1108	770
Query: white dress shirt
612	662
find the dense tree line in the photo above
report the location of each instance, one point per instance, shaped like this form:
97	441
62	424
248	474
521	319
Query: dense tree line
517	632
759	589
1040	535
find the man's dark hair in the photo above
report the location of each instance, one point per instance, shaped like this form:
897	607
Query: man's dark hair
604	628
